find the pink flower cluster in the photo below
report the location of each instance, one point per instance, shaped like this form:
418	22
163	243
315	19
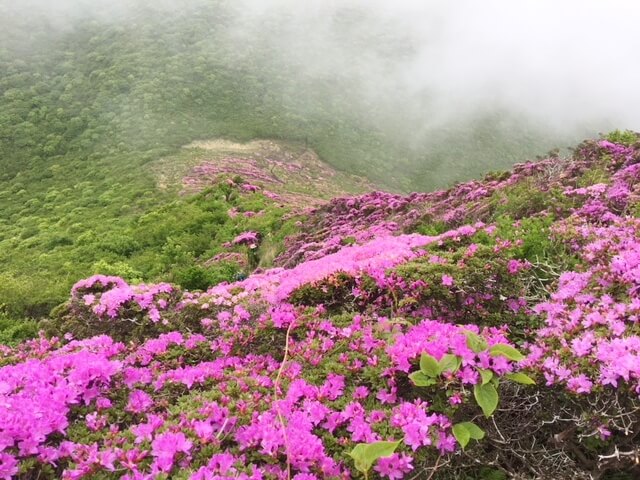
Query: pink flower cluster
109	297
591	337
592	334
260	387
37	395
438	339
250	239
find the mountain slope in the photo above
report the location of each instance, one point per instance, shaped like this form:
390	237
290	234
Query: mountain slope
179	214
91	99
485	331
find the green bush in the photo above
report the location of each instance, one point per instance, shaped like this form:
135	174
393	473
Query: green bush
624	137
196	277
14	331
118	269
334	292
527	198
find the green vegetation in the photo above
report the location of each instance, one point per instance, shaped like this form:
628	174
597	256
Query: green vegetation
623	137
86	108
169	242
14	331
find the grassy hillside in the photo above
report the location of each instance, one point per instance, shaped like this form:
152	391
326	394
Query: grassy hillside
88	101
170	228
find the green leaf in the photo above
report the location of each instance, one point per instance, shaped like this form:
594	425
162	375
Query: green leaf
474	431
486	375
507	351
475	342
487	398
450	363
429	365
365	454
465	431
419	379
461	432
520	378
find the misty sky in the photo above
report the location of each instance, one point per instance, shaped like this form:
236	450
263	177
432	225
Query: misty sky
563	63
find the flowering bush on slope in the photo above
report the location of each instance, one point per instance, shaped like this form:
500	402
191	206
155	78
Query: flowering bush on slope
389	357
591	334
591	337
527	189
108	305
245	408
339	386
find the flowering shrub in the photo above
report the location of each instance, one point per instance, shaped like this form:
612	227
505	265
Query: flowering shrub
250	239
493	347
107	304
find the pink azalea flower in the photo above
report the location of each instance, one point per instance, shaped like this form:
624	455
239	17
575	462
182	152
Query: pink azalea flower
394	467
